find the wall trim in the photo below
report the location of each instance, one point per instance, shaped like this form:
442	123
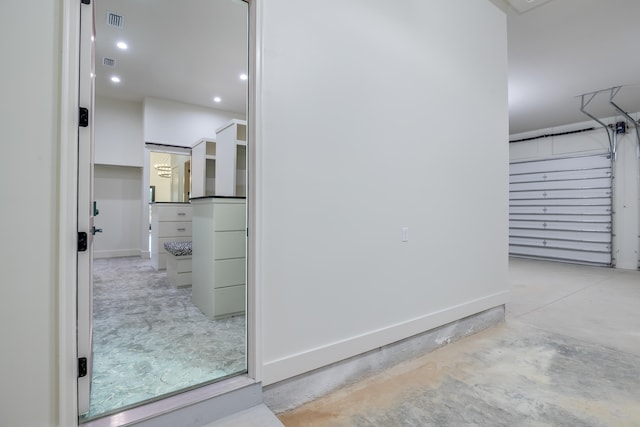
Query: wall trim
291	393
68	222
117	253
305	361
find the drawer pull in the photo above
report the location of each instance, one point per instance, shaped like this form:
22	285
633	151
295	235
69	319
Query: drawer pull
182	229
182	213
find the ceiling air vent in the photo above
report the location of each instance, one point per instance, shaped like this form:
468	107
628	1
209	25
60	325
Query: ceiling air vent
108	62
115	20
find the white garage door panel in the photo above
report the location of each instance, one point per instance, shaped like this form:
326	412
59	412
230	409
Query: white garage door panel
564	175
560	244
561	164
587	236
560	209
583	257
560	217
561	194
591	183
603	201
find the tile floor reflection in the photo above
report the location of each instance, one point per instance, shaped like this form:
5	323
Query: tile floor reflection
149	340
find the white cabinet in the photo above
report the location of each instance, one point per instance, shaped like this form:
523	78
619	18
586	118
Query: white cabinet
231	159
203	168
170	222
219	256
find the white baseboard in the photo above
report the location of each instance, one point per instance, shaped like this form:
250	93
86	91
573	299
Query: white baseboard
145	254
306	361
116	253
293	392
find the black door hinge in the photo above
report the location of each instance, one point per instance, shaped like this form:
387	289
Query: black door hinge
83	117
82	241
82	367
85	1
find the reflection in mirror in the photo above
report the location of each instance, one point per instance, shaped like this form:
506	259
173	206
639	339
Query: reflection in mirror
153	334
170	174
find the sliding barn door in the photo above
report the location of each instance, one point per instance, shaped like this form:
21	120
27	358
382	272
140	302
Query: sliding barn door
561	209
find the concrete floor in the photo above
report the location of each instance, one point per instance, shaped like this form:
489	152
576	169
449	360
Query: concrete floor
568	354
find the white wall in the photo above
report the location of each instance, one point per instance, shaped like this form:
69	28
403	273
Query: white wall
626	187
118	191
358	120
118	132
175	123
29	116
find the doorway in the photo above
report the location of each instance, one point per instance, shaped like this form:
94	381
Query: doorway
134	332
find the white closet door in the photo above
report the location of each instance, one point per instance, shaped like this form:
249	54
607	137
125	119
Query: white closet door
560	209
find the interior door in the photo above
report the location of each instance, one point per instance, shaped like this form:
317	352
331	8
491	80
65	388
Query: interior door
86	207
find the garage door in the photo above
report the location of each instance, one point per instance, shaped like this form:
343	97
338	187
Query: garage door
560	209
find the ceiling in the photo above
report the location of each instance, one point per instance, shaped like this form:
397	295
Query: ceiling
560	49
193	50
188	51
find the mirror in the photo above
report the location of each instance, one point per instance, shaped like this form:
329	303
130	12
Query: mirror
170	176
179	66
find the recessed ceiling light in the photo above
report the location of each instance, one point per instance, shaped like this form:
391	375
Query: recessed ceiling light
115	79
122	45
243	77
217	99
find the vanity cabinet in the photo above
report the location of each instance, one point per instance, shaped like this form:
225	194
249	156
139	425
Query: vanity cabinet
170	222
219	256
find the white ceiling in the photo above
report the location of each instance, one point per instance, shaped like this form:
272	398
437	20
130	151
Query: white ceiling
564	48
188	51
193	50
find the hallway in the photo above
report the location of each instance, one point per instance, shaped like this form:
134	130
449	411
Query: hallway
568	354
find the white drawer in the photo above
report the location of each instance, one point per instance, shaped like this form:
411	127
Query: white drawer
229	217
175	213
229	244
174	229
227	301
229	272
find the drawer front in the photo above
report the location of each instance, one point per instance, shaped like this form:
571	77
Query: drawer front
175	213
174	229
228	301
229	244
228	217
229	272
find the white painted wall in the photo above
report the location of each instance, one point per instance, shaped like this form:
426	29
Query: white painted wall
118	191
118	132
359	136
29	116
175	123
626	187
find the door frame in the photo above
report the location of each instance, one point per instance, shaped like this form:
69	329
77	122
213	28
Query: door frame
67	208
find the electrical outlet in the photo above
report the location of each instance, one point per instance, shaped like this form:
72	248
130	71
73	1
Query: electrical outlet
405	234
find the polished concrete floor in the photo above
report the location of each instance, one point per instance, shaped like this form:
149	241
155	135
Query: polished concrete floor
567	355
